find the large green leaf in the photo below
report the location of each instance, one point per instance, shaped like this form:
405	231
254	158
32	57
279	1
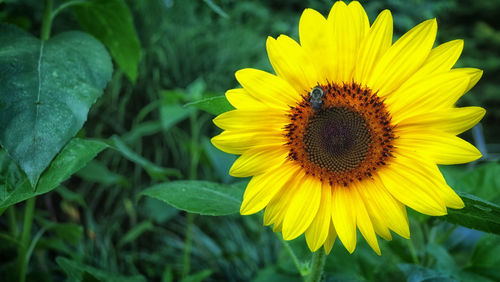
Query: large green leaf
46	91
201	197
477	214
71	159
111	22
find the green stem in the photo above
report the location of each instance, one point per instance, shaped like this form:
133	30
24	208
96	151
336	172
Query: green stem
11	215
25	238
47	20
447	234
66	5
186	259
413	252
195	151
292	255
317	265
193	173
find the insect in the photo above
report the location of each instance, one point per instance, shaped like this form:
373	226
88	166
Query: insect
316	94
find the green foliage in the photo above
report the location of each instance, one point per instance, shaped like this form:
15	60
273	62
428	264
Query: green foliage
15	187
44	100
111	22
201	197
478	214
78	271
155	116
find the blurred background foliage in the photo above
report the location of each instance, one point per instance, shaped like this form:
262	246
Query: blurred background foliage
190	50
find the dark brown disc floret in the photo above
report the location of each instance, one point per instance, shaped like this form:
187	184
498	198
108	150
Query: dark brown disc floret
346	139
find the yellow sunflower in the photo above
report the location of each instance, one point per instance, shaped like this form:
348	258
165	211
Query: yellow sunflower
350	129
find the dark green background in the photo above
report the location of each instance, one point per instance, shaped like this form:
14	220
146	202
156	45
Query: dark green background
190	50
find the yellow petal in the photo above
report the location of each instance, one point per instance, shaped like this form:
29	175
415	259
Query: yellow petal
441	59
263	187
431	94
452	120
373	47
441	147
292	64
258	160
252	119
384	209
403	58
278	206
317	232
363	221
474	75
332	235
267	88
344	217
302	208
240	99
423	167
239	141
410	189
313	33
349	25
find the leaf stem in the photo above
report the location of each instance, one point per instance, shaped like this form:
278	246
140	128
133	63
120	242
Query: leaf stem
413	252
11	215
47	20
296	262
186	259
193	173
25	238
66	5
317	265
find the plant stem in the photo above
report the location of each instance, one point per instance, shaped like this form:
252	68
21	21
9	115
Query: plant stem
66	5
413	252
317	265
47	20
294	258
186	259
25	238
11	215
193	173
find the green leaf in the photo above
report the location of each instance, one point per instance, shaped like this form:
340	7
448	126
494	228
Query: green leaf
201	197
485	259
417	273
71	196
135	232
477	214
69	231
155	171
77	271
271	273
96	171
482	181
214	105
111	22
71	159
198	277
47	90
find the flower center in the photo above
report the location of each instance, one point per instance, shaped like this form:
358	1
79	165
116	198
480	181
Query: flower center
337	139
345	136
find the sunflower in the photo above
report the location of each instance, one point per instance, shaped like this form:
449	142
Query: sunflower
351	128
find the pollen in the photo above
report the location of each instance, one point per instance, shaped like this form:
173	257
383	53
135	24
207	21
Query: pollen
345	140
